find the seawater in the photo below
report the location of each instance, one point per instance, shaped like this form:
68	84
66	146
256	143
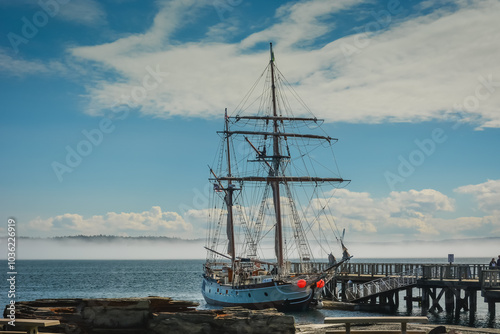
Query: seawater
179	279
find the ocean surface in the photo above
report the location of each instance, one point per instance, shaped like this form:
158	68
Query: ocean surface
179	279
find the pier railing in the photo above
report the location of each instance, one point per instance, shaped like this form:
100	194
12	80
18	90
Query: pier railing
490	279
377	286
430	271
454	272
376	269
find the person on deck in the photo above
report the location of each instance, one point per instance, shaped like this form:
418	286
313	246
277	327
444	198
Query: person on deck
492	264
345	253
331	260
498	262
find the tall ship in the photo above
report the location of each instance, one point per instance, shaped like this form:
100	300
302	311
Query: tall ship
274	178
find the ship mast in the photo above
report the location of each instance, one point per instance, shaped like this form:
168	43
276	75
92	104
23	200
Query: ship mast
275	177
275	186
229	198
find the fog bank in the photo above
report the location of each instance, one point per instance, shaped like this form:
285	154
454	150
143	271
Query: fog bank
165	248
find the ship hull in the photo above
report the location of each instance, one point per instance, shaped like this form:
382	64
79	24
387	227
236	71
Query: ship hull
279	295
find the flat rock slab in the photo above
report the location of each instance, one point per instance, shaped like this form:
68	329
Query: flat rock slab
151	315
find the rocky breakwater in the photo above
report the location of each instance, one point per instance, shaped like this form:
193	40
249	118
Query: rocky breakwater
151	315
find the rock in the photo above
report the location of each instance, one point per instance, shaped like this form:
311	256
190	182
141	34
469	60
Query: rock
230	320
182	322
438	330
103	315
315	328
334	305
454	331
151	315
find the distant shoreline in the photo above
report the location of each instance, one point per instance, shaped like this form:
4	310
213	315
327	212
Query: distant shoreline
111	237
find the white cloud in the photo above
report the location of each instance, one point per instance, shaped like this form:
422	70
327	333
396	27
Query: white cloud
20	67
410	213
86	12
300	22
144	46
426	67
406	215
487	195
203	77
152	222
425	201
468	226
223	30
417	70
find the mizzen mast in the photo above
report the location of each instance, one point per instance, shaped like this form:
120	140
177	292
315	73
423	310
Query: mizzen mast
229	199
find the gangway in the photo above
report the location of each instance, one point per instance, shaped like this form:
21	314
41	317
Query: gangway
379	286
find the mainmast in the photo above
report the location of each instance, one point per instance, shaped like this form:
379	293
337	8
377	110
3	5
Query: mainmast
275	186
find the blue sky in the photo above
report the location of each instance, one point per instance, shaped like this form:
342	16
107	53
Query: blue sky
410	88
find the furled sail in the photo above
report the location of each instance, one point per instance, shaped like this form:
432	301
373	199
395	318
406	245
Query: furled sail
229	224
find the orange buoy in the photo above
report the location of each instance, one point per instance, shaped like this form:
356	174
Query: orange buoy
320	283
301	283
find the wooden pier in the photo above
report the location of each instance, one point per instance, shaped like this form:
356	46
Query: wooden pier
378	285
490	288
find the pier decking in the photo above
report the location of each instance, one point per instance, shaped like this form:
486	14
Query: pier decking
379	284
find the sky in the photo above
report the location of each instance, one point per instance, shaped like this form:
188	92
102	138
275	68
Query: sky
109	110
